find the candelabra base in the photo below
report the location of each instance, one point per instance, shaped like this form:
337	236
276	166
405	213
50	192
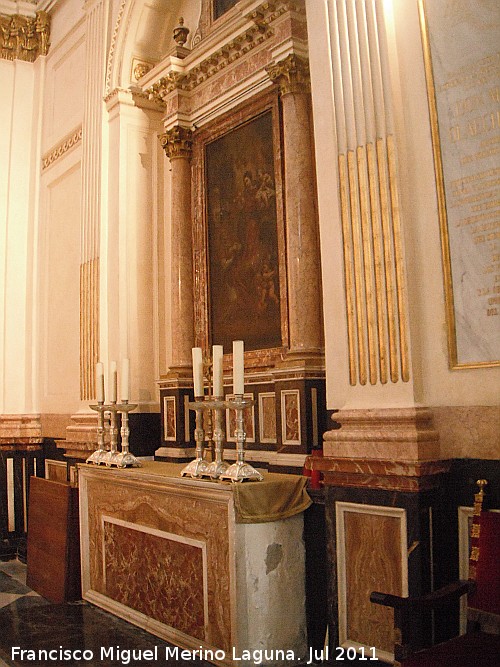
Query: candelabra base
241	471
97	457
196	468
125	460
110	458
217	468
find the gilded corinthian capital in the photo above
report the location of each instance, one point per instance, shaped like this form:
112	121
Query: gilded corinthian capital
291	74
24	37
177	142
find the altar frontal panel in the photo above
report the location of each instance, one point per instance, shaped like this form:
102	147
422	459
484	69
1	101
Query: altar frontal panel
159	556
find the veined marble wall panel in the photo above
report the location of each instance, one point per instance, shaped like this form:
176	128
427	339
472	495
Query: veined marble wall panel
130	550
371	555
65	88
466	429
60	286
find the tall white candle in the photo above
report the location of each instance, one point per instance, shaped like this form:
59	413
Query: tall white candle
124	380
218	377
238	367
113	381
197	371
99	382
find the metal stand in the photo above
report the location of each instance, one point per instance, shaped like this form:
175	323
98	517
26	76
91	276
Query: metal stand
240	471
125	459
97	457
113	457
198	467
218	467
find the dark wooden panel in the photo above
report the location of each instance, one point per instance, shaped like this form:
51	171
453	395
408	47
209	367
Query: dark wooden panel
53	566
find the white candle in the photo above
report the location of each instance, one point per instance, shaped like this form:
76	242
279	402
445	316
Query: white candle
238	367
113	381
99	382
124	380
197	371
218	377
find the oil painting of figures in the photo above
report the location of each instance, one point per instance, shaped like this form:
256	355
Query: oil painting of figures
242	237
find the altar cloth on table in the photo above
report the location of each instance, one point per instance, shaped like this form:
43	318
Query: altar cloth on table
278	496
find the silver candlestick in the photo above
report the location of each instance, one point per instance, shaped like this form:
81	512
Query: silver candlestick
198	467
99	454
239	470
112	457
218	467
125	459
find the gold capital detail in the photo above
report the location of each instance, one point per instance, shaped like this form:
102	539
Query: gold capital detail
292	74
24	37
177	142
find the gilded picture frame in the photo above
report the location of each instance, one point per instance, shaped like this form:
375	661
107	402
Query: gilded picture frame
463	93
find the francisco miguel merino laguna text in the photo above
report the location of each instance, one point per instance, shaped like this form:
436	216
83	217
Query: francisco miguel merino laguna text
133	656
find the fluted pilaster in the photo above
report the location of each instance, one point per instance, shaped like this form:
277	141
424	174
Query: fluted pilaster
96	22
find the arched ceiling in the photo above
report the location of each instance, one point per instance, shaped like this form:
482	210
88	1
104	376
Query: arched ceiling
142	33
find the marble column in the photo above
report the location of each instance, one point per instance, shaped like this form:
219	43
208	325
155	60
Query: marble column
177	144
303	257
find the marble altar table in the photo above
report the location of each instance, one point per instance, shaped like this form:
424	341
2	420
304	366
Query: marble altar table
213	567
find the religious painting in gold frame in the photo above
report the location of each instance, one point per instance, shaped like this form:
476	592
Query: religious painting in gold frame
460	43
239	246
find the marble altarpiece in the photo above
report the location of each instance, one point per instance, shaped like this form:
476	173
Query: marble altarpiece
245	247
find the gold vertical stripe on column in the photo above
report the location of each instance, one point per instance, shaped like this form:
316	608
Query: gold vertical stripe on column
388	260
89	327
378	262
358	265
348	269
398	250
93	352
366	235
83	328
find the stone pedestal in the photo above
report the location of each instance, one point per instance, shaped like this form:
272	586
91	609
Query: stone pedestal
384	494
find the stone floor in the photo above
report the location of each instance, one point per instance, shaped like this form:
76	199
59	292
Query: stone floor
30	622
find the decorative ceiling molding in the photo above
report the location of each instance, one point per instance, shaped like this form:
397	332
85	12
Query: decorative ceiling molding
256	27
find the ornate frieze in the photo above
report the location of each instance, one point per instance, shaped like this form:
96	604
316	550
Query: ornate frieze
292	74
24	37
177	142
69	142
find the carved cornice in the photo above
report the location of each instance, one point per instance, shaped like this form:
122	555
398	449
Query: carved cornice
24	37
177	142
70	141
217	61
291	74
270	11
229	53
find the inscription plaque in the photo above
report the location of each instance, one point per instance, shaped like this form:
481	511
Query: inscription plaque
461	40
